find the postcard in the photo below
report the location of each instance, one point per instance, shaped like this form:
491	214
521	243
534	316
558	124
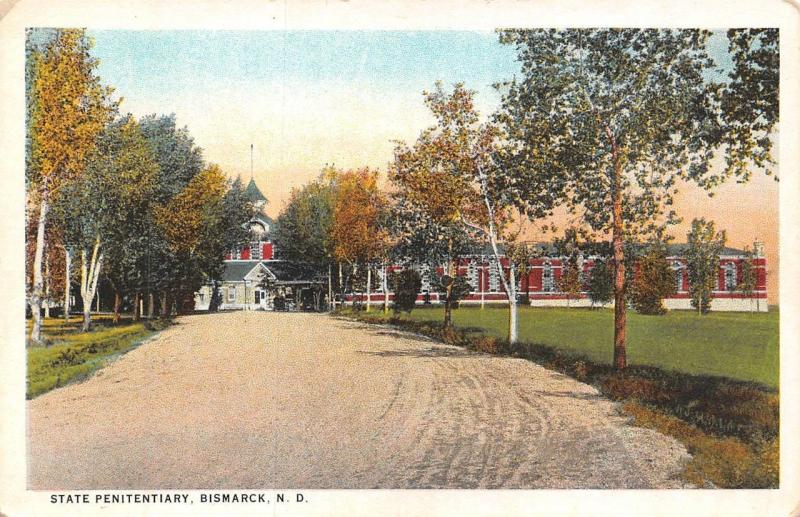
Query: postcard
358	258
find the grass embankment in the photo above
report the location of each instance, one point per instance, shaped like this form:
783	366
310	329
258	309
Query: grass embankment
709	381
70	355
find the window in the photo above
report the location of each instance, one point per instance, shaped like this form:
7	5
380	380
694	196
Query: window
232	294
548	285
255	251
425	277
381	273
494	276
678	269
730	276
472	275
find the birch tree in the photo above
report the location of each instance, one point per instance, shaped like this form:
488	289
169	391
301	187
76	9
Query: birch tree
67	109
459	172
99	209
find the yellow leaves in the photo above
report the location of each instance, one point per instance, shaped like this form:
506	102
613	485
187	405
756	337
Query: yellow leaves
70	108
356	230
183	218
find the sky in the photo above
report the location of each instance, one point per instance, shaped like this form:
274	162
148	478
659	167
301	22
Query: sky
309	98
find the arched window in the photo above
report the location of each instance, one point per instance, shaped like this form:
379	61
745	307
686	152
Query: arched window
548	285
678	269
730	276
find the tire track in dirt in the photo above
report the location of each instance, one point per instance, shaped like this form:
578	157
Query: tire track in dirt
264	400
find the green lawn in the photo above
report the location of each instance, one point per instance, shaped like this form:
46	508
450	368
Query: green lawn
72	355
738	345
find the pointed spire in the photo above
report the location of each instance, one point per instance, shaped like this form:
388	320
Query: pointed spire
251	162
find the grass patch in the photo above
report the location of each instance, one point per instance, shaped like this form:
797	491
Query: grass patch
737	345
70	355
729	424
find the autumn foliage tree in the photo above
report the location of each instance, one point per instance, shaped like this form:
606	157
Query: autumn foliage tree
458	174
191	221
358	230
68	108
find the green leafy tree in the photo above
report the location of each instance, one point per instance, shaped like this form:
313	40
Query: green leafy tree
303	229
601	283
702	260
179	161
452	289
102	209
653	281
623	115
571	282
748	280
749	101
406	285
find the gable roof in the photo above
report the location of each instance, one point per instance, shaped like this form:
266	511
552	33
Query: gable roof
284	272
235	270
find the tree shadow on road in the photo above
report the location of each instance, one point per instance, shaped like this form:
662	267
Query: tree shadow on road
439	351
569	394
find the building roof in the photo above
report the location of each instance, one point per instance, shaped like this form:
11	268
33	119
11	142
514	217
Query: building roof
549	249
679	249
253	193
284	272
236	270
264	218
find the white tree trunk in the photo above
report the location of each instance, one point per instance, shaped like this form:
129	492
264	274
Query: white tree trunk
330	290
509	287
37	288
67	270
369	281
385	290
46	286
512	305
90	273
482	279
341	286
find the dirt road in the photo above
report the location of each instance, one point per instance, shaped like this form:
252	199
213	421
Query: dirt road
277	400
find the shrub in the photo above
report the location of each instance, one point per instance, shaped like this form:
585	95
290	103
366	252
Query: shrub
601	284
406	285
654	281
458	291
485	344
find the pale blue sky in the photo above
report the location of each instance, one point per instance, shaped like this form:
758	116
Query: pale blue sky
303	98
155	62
